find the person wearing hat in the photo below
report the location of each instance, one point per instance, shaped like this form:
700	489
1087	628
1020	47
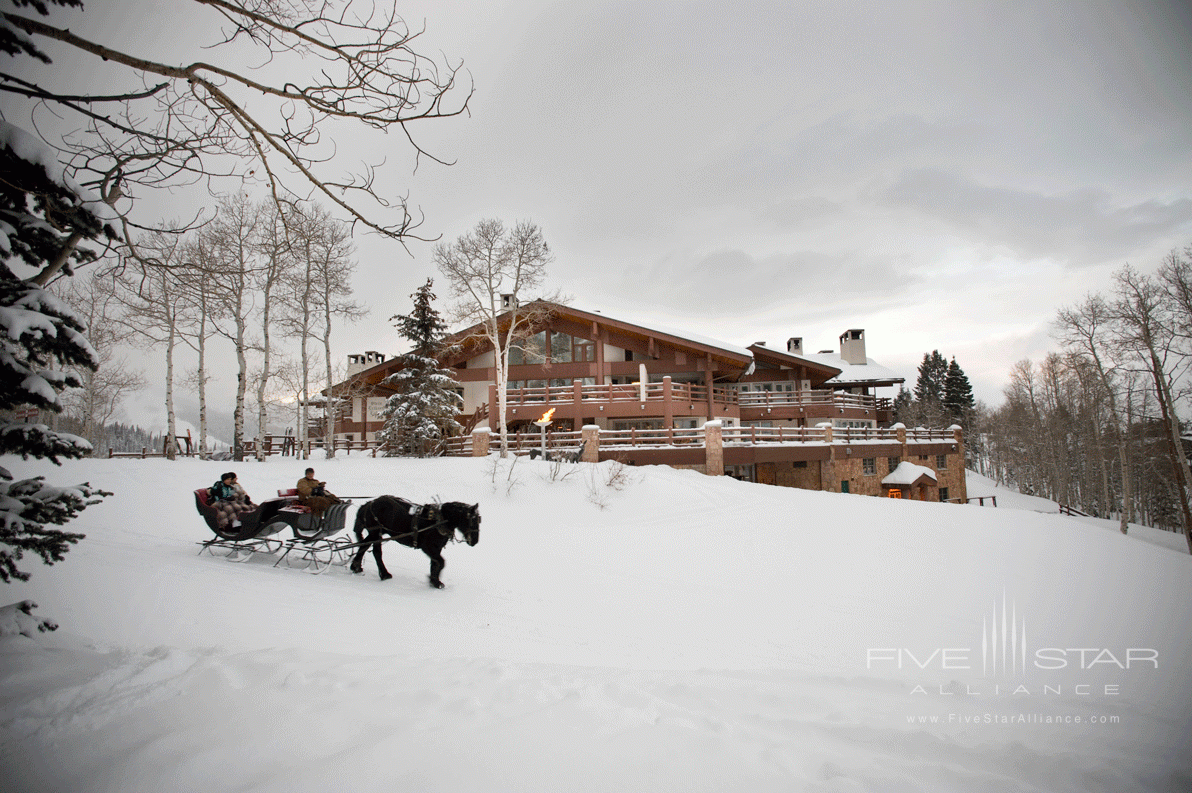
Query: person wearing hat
230	499
314	494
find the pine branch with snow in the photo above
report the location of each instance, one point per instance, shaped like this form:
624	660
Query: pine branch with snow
17	619
42	221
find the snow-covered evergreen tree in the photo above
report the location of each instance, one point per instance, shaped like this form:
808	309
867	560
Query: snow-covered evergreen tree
958	394
929	387
422	412
43	218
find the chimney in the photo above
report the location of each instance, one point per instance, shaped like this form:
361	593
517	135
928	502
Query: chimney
508	302
852	347
794	345
362	361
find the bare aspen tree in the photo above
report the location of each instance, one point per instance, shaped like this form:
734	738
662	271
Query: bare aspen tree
299	320
488	271
318	65
195	280
95	402
1084	330
275	246
229	243
332	276
1145	327
149	288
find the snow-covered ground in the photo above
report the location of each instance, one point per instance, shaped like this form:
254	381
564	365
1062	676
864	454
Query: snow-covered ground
683	633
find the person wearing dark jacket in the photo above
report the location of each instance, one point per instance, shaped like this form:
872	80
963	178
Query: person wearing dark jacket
230	500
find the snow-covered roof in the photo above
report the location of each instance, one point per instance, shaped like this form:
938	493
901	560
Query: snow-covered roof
869	372
706	341
907	474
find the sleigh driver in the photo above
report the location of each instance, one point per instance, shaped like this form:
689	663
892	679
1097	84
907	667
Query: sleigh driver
313	493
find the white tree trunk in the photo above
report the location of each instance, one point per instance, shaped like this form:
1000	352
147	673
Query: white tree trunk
329	410
171	423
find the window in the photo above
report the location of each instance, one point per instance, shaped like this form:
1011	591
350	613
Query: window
869	466
943	494
941	462
799	464
560	347
892	463
529	350
843	485
582	350
638	424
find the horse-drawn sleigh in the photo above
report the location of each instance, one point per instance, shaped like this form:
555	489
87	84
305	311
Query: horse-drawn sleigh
313	544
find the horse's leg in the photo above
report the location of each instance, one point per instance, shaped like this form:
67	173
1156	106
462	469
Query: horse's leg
436	566
385	576
358	559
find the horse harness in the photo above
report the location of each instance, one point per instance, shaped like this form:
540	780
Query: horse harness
418	512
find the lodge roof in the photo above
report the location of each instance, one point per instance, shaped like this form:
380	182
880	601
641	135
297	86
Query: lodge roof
729	353
871	373
741	359
763	353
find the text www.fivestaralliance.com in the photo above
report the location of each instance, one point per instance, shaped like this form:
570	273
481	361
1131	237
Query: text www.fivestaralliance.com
1012	719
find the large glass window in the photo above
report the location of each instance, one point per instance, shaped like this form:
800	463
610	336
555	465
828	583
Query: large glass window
560	347
530	350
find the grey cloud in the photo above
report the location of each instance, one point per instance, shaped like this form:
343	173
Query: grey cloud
1082	227
806	282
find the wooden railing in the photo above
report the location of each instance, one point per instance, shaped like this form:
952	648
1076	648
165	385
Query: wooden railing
692	393
655	437
523	442
753	435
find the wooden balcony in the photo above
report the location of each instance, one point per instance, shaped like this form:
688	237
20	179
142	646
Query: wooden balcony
668	400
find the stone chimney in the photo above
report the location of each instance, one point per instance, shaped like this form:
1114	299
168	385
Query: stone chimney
794	345
362	361
852	347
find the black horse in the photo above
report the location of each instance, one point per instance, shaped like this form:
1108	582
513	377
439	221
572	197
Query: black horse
428	527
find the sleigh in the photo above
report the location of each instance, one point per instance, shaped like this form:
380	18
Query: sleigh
312	542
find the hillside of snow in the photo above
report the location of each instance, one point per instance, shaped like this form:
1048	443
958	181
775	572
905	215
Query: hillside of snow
675	633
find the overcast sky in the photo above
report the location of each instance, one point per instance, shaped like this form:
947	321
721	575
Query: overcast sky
944	175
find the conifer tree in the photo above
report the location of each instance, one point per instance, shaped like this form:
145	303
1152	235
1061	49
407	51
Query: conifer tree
43	218
958	394
929	387
422	412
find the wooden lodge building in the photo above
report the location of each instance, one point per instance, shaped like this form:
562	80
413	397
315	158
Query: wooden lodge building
785	417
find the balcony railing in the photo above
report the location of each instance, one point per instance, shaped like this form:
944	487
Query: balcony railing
693	393
523	442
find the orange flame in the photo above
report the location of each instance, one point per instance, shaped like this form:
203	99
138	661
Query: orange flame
546	416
